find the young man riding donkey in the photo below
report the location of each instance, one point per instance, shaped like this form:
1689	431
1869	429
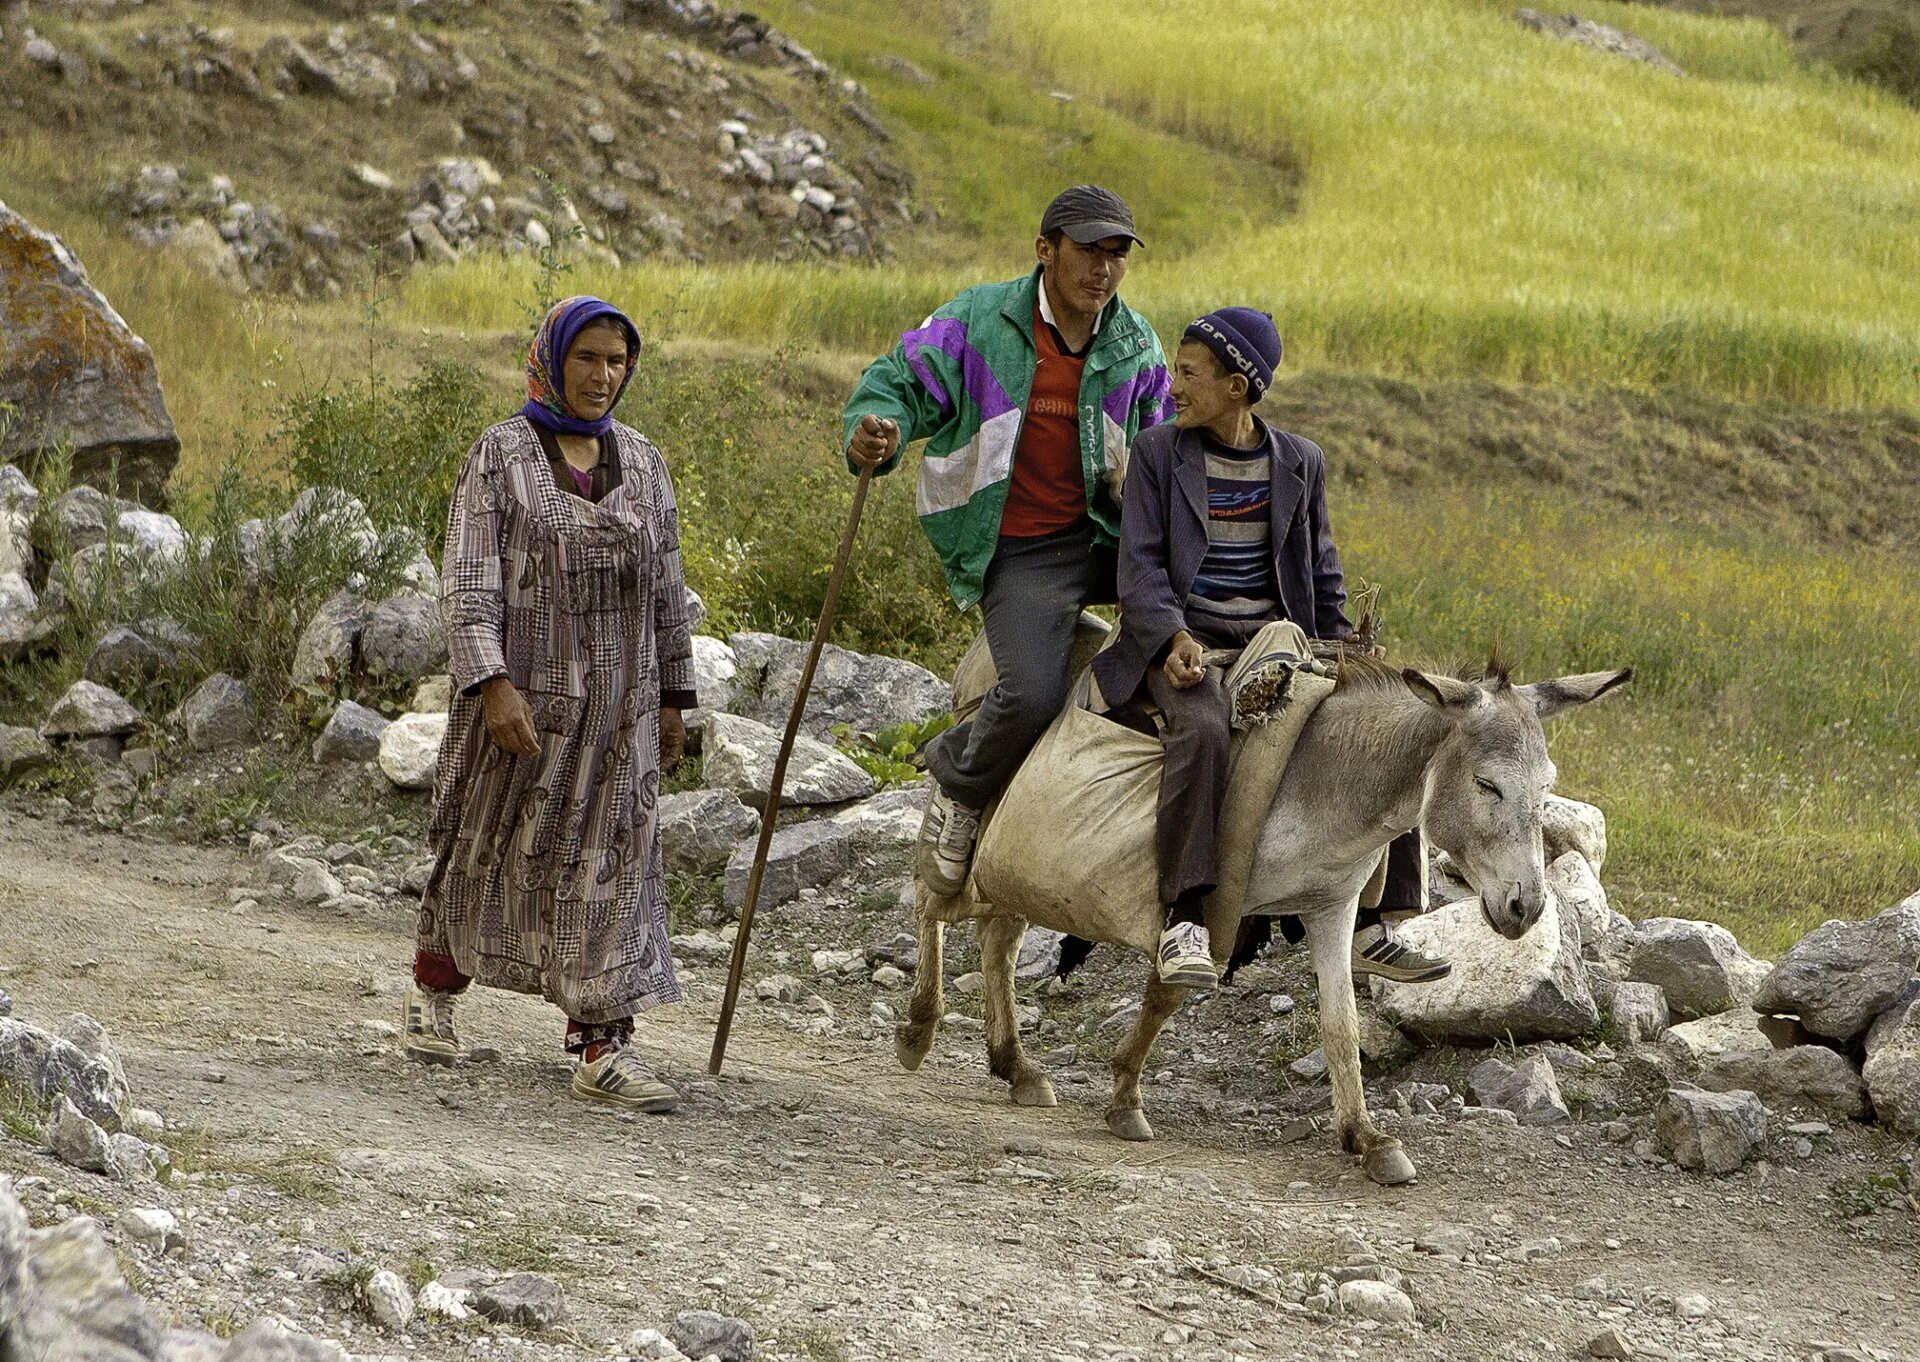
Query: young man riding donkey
1029	394
1226	531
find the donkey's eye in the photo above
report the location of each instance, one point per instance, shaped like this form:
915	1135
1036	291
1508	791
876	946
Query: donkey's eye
1489	787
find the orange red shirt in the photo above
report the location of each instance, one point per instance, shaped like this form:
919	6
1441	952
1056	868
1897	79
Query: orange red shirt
1048	489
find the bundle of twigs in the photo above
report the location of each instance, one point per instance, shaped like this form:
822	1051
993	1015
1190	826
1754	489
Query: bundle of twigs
1364	641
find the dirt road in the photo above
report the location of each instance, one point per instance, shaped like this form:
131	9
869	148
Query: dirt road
847	1209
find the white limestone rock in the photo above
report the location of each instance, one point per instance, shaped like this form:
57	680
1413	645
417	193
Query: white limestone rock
410	750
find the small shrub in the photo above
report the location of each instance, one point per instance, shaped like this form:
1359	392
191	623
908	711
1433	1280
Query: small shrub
1890	57
21	1115
893	755
692	900
395	446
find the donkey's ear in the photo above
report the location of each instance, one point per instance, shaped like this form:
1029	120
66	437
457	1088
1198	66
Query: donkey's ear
1439	691
1550	697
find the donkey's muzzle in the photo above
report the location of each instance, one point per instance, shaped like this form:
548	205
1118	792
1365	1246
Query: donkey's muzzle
1513	909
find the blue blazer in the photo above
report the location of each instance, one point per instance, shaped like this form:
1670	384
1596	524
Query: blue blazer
1163	540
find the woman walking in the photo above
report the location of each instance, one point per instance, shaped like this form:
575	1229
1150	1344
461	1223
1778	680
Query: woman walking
572	660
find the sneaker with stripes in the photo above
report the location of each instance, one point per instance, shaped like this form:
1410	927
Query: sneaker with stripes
1377	951
618	1079
1186	957
426	1032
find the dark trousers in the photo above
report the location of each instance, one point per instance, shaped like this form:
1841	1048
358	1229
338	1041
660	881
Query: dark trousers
1193	785
1035	591
1197	736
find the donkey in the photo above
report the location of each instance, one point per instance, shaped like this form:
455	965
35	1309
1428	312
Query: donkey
1385	752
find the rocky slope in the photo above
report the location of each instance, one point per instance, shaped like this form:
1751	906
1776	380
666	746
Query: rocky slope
284	144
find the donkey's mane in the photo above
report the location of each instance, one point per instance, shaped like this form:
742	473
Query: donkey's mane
1361	672
1365	672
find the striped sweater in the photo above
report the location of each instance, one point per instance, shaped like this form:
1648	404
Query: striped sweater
1234	593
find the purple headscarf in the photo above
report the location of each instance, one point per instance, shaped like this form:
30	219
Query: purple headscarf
546	404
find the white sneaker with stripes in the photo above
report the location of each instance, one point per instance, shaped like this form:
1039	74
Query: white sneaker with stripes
1186	957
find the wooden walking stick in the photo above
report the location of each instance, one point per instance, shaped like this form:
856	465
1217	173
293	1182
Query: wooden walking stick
778	784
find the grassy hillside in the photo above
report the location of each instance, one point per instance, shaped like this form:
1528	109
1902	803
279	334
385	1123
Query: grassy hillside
1481	199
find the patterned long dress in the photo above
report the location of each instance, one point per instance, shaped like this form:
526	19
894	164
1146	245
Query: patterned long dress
548	877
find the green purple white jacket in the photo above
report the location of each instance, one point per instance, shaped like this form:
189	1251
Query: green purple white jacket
961	381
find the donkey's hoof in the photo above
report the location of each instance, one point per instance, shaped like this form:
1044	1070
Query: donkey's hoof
1389	1165
1035	1090
1130	1123
911	1041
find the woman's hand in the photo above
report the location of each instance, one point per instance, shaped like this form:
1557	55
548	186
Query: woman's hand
673	739
509	719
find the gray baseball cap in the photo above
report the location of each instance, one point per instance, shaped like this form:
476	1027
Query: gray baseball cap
1088	213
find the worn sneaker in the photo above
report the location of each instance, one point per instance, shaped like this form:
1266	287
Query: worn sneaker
427	1034
1186	957
1377	951
947	834
620	1080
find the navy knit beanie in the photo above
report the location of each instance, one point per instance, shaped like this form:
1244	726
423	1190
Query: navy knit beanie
1246	342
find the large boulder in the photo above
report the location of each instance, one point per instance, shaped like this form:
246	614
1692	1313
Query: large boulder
329	646
352	734
801	856
1842	975
42	1064
1568	825
740	753
151	538
716	680
1799	1076
403	639
126	656
22	752
867	693
1636	1012
1709	1132
82	518
1892	1070
1577	887
217	714
21	625
17	502
78	1140
88	710
1529	1090
73	371
1700	1040
410	750
1699	965
811	854
1531	989
1571	28
704	1334
348	75
14	1281
700	828
526	1299
80	1308
326	515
